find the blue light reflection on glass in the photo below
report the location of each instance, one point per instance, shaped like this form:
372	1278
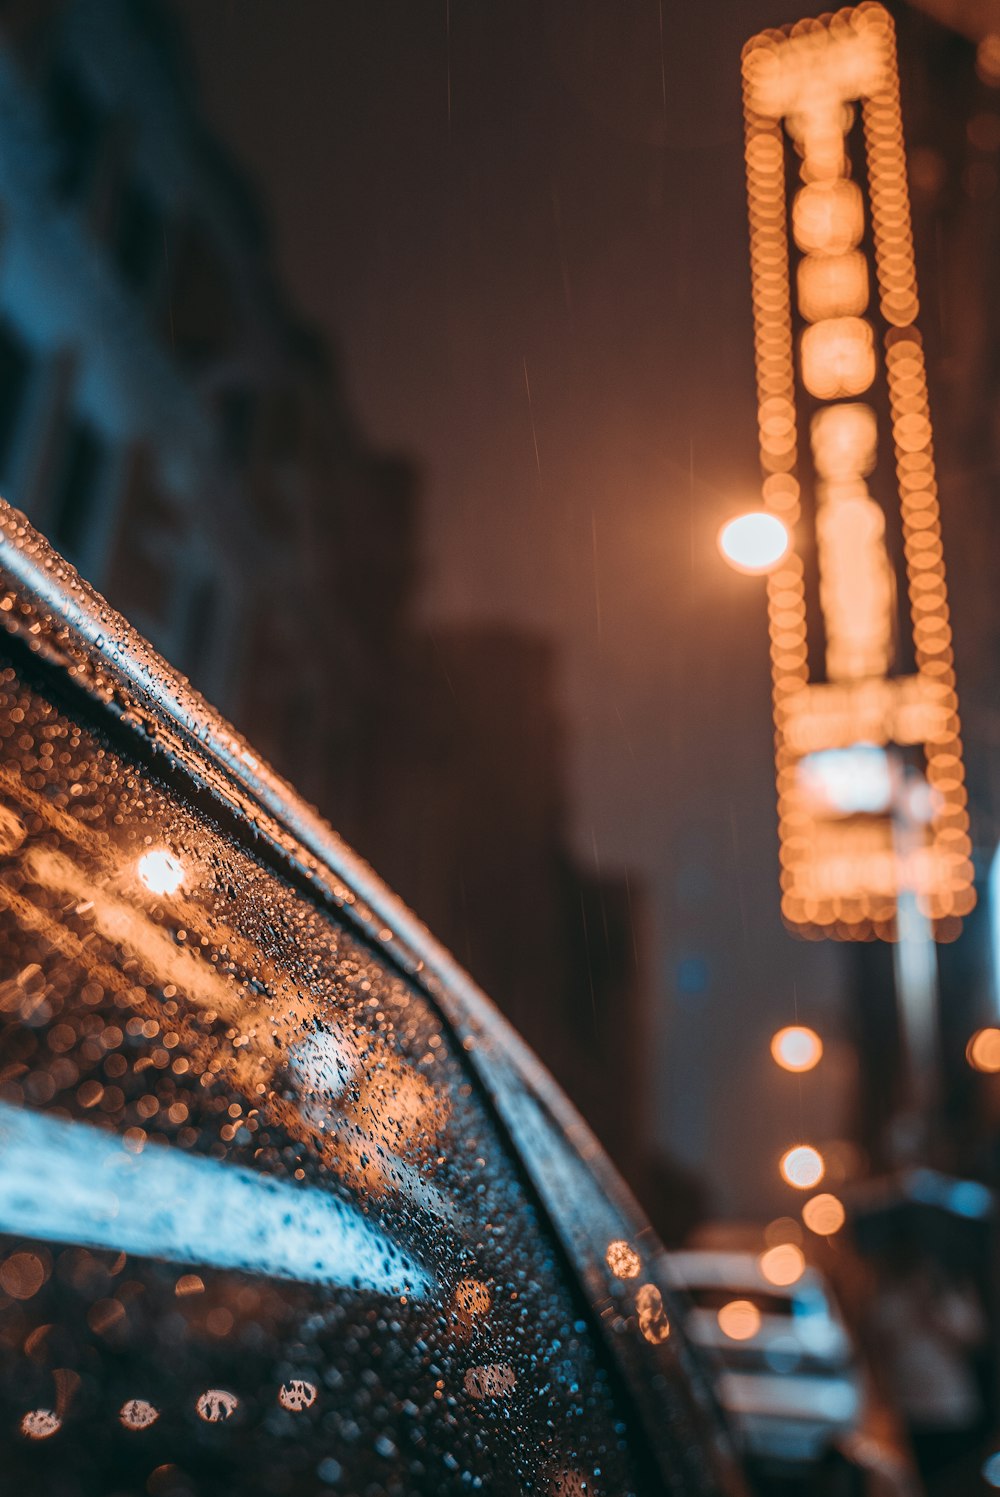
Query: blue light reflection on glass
993	905
72	1182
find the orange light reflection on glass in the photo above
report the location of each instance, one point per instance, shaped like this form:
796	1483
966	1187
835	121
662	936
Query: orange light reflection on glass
782	1265
755	542
160	871
653	1321
739	1319
622	1260
824	1215
983	1050
797	1048
472	1297
802	1166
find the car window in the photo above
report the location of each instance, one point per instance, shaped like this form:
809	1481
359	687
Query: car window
260	1232
714	1298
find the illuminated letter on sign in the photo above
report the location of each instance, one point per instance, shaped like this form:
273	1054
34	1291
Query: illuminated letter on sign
822	108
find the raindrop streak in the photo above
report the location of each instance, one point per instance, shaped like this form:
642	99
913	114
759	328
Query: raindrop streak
663	67
447	33
597	583
531	417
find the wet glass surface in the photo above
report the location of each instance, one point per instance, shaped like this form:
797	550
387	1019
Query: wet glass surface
261	1233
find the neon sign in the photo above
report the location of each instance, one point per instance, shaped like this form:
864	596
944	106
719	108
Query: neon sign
838	351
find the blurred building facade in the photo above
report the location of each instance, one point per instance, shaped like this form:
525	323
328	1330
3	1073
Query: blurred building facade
174	428
949	56
472	826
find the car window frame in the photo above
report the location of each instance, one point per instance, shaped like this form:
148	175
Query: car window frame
111	679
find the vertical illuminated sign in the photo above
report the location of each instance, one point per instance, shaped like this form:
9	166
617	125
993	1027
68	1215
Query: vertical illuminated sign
843	407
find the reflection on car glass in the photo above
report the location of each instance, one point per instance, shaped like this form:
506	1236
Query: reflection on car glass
256	1228
714	1298
70	1182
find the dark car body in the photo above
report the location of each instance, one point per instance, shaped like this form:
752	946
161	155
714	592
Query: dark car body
285	1205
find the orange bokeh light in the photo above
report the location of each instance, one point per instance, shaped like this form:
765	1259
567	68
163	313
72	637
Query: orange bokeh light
830	88
782	1265
824	1215
983	1050
797	1048
739	1319
838	357
623	1261
653	1320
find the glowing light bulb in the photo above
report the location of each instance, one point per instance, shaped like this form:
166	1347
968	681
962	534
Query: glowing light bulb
797	1048
784	1264
754	542
802	1166
160	871
824	1215
739	1320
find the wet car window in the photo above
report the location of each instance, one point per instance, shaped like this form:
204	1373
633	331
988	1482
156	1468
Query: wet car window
260	1231
717	1299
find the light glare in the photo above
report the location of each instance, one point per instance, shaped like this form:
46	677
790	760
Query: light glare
622	1260
797	1048
802	1166
983	1050
754	542
160	871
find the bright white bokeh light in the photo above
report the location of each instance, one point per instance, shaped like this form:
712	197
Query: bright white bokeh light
802	1167
754	542
797	1048
160	871
848	780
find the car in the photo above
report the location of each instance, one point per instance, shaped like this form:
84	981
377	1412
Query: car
286	1207
787	1371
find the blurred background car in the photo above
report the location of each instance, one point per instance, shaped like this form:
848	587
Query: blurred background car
789	1373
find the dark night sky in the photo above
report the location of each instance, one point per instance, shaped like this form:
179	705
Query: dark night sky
478	196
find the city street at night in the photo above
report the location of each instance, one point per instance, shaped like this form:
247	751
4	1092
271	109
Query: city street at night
499	748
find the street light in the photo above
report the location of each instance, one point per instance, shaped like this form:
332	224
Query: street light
802	1166
754	542
160	871
797	1048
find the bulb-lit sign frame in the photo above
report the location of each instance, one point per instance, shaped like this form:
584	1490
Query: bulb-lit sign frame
837	346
